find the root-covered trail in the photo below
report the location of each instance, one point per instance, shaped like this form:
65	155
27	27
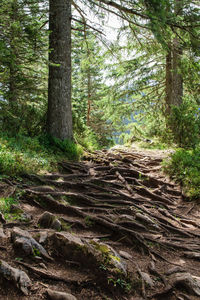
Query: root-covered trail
117	228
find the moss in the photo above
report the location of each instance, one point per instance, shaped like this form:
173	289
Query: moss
114	257
65	226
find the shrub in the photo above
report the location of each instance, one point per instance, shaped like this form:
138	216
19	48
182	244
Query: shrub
185	124
184	166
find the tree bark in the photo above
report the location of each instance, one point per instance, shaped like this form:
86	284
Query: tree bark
59	118
177	88
174	80
168	82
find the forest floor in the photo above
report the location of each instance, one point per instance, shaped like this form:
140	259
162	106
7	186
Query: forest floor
112	226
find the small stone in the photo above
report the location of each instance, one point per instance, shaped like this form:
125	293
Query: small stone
43	237
56	225
43	266
46	220
125	255
55	295
37	257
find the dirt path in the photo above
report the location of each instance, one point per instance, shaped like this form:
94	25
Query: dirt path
136	236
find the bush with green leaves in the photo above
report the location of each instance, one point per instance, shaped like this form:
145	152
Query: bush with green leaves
184	122
184	166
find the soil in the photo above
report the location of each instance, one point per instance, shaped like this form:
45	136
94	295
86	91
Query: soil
119	197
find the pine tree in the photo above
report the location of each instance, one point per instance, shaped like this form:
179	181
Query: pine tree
23	48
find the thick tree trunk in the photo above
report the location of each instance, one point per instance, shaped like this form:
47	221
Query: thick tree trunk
177	88
174	80
59	119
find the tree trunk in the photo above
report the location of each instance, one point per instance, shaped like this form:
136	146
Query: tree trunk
168	83
174	80
177	88
59	119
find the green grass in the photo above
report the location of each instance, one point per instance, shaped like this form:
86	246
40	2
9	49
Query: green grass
5	204
22	154
184	166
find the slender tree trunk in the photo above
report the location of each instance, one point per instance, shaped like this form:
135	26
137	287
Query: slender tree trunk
59	119
168	81
13	57
89	99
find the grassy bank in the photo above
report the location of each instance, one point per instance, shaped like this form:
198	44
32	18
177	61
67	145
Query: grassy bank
22	154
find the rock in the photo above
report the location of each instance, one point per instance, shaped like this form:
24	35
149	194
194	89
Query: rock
68	244
56	225
43	266
48	220
125	255
189	282
24	241
2	220
90	253
43	237
55	295
20	278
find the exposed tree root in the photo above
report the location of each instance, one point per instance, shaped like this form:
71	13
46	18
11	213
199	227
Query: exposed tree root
114	197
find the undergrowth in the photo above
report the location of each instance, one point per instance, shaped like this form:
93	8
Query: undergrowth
22	154
5	204
184	166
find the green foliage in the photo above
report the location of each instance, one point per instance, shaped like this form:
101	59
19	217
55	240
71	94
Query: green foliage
23	69
184	122
88	90
184	166
5	204
126	285
36	252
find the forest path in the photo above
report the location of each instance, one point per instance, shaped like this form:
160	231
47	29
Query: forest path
118	229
